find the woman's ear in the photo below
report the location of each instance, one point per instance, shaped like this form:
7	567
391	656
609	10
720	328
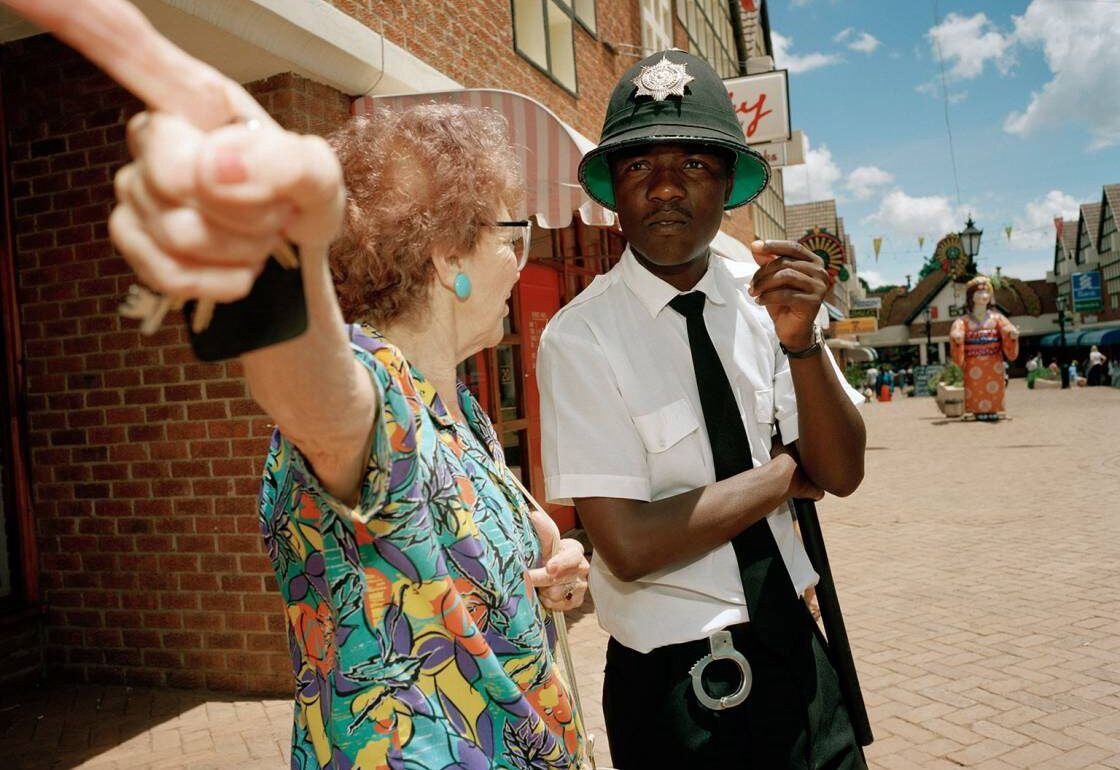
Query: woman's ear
447	266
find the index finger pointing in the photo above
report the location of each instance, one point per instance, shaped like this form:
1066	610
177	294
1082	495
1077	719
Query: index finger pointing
115	36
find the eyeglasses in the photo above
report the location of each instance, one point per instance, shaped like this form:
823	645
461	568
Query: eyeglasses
521	239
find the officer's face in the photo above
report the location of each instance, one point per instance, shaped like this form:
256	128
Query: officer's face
670	199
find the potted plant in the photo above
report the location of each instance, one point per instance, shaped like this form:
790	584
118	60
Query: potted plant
949	389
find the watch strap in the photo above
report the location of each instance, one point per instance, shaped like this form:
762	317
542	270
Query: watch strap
812	350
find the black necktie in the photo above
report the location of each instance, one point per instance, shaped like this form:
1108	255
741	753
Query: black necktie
730	448
765	578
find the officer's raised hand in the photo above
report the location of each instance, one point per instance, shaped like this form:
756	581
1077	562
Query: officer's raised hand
791	283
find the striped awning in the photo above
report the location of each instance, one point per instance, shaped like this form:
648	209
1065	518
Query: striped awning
548	149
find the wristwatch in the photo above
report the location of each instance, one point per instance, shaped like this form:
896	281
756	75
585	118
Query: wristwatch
812	350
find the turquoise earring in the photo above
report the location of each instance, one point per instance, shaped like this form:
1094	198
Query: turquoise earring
463	286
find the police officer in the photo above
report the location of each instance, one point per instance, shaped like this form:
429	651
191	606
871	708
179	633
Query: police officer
685	399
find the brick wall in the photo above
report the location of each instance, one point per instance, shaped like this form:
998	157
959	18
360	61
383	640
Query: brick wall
145	461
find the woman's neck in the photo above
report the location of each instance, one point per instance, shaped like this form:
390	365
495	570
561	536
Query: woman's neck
430	347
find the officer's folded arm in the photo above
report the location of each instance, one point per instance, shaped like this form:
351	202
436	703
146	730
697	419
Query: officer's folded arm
635	538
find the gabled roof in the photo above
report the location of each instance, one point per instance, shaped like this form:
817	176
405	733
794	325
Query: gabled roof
1069	236
906	306
1091	217
1110	198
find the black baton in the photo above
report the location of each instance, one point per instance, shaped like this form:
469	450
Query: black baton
839	649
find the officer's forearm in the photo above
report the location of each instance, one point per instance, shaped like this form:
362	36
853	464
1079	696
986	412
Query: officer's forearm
831	436
636	538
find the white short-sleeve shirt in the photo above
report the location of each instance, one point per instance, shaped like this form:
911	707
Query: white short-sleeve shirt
621	417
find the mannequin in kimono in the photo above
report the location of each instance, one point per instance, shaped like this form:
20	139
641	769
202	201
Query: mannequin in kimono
979	341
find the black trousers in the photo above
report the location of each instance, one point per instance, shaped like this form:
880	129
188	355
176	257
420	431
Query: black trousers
794	717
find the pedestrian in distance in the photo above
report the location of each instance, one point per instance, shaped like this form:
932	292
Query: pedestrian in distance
1096	374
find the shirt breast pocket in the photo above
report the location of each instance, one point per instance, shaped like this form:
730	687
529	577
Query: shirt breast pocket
674	452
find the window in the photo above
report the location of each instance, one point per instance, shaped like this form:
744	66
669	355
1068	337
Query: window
1115	301
1084	244
585	14
544	33
711	35
657	25
1108	229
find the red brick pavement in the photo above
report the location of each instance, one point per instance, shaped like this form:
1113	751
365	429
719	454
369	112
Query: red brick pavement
976	566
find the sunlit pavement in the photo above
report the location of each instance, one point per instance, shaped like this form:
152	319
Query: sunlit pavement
977	566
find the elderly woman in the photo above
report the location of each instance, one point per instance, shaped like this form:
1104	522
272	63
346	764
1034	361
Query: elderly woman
405	552
415	577
412	633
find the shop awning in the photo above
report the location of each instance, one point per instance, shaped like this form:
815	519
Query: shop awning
1106	335
548	149
1109	335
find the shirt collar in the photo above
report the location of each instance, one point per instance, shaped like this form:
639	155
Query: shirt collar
655	294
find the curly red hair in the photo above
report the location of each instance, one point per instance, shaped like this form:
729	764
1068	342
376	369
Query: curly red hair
418	179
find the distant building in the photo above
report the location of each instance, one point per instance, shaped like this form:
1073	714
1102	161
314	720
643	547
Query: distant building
1088	248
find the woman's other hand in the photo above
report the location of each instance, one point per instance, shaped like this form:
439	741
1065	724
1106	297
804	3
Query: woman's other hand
561	581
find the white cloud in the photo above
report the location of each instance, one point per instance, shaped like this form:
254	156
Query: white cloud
903	214
1079	43
783	59
968	43
865	43
865	180
933	88
873	277
814	180
1034	228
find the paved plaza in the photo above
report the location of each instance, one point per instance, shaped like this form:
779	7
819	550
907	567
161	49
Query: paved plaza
977	567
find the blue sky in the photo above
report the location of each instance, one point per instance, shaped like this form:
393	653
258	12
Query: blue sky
1034	106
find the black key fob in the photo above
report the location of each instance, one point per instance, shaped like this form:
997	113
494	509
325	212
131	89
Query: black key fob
274	311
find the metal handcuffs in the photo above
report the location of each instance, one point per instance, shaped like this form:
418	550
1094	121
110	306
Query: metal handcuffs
722	649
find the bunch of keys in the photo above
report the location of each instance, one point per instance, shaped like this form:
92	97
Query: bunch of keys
274	311
149	308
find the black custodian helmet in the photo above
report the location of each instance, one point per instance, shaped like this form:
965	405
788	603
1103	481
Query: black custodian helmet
674	97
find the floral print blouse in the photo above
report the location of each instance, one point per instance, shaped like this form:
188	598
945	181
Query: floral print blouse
415	637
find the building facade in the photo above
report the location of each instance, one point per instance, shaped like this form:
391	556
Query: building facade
130	550
1083	247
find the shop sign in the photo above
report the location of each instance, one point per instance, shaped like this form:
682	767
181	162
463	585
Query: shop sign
1086	291
761	105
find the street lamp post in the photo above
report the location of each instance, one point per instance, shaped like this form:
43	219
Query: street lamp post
929	340
970	239
1063	370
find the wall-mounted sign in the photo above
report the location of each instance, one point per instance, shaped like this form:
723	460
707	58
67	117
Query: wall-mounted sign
862	325
781	154
1086	291
761	104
